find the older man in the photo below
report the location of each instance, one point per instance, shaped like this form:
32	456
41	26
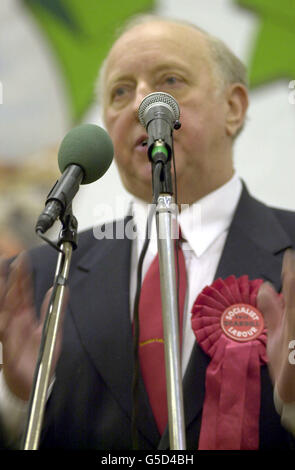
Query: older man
90	405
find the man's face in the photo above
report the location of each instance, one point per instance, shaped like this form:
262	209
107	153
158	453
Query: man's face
174	59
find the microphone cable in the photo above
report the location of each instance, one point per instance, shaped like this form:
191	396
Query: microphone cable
156	179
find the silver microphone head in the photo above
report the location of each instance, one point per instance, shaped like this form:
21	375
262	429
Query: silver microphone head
155	99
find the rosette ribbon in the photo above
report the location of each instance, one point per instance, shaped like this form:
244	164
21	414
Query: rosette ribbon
230	418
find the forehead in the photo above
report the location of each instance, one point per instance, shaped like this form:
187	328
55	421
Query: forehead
157	41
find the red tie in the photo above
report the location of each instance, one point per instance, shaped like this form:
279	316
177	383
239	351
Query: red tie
151	343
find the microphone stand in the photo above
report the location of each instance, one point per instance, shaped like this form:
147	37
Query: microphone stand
67	242
165	212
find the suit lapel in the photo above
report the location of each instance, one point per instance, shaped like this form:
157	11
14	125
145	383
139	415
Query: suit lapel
255	243
105	326
254	246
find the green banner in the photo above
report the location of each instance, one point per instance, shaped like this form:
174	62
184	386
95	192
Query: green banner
80	34
273	54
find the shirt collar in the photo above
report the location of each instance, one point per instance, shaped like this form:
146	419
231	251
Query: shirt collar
201	223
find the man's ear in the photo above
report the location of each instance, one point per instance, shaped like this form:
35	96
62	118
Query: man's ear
237	100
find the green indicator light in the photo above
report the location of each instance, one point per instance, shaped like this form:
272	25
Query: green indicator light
160	149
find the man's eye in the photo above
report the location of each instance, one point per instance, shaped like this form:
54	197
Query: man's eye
119	91
171	80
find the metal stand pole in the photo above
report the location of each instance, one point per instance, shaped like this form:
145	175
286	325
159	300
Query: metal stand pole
50	329
164	213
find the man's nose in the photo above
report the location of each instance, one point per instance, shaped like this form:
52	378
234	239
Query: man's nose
142	90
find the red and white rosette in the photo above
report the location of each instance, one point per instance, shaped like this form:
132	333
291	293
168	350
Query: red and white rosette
230	329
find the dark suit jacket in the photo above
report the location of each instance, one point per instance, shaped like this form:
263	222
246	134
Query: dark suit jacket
91	403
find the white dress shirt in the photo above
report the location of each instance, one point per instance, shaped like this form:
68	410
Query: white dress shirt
204	226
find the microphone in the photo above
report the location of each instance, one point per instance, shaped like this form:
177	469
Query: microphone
84	156
159	114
